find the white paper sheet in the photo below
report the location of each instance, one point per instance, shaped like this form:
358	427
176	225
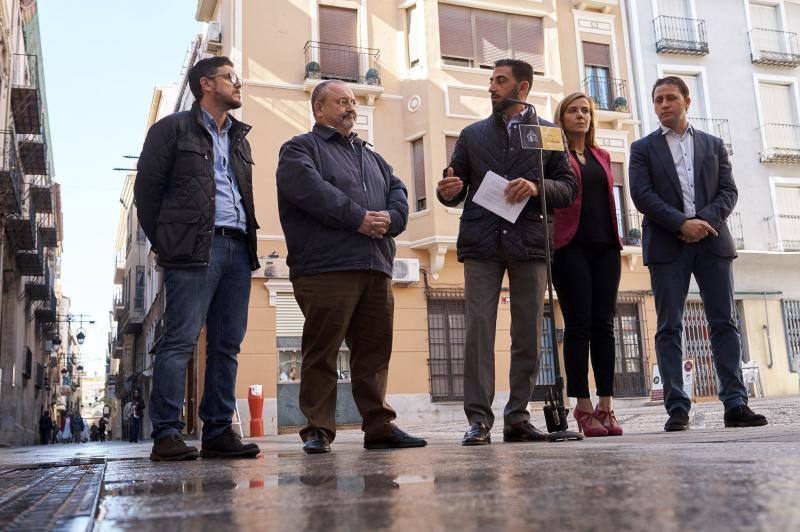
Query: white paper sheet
491	196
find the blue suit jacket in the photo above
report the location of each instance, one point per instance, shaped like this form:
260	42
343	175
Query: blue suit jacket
656	192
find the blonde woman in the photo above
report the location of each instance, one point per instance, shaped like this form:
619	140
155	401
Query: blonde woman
586	269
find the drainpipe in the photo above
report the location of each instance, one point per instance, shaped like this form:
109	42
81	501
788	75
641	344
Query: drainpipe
766	330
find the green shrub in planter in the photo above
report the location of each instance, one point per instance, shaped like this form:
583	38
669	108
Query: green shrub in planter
313	70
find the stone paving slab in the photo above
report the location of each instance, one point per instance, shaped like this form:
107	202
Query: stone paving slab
708	478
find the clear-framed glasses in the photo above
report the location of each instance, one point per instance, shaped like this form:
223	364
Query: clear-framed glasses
231	76
344	102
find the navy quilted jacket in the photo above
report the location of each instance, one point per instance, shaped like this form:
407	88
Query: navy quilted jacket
484	146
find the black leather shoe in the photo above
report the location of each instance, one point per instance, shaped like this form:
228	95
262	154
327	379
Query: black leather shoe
678	420
523	432
172	448
477	434
228	445
397	439
742	416
316	442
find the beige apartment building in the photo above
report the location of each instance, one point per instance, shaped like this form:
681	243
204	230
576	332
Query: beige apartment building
420	70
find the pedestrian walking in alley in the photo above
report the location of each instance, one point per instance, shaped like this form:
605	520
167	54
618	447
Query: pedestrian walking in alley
681	180
489	246
194	194
102	427
135	413
45	427
587	269
76	424
341	207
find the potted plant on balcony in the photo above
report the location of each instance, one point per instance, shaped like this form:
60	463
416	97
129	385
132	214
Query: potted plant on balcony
634	236
372	77
312	70
621	104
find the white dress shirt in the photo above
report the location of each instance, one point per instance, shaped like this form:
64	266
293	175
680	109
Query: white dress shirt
682	149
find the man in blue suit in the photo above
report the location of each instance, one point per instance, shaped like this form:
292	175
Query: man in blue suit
681	181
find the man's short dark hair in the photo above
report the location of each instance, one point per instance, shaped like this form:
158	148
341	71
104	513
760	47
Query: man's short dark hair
521	70
671	80
319	91
203	69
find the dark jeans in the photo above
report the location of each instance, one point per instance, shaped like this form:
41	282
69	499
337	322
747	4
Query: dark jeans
714	277
586	277
134	429
483	280
217	295
357	307
44	437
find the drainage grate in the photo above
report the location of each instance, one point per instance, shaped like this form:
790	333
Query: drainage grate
50	497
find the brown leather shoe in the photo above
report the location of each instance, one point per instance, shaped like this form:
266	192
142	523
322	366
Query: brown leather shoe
524	432
229	445
172	448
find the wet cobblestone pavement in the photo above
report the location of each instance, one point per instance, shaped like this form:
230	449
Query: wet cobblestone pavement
709	478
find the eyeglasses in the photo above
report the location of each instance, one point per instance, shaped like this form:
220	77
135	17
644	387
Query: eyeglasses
344	102
231	76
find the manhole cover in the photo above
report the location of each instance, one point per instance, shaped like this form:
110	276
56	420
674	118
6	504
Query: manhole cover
49	497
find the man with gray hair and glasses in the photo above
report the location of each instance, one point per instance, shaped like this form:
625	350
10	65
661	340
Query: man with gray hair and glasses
340	208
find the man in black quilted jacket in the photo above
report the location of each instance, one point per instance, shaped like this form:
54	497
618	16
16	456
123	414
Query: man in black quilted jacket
194	198
489	246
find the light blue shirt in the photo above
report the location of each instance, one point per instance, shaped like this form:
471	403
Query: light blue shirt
682	149
518	118
228	200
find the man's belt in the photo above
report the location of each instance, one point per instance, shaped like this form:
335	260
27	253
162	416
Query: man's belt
228	232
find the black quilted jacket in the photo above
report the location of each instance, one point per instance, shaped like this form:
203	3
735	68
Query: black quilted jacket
484	146
175	188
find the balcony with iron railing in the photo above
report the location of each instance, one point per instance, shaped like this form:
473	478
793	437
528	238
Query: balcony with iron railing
781	143
352	64
784	231
610	97
774	48
629	224
678	35
715	126
11	181
734	222
25	98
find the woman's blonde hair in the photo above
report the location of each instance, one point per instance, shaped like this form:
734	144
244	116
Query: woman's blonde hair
562	107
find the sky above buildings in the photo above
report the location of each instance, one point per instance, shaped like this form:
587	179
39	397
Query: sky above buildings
102	59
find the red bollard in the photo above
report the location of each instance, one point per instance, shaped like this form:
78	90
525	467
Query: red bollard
255	401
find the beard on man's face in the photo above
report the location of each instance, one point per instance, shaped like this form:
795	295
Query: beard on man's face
502	103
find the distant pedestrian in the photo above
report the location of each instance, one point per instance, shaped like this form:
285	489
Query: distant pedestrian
102	427
681	180
341	206
194	194
45	427
135	412
77	427
93	432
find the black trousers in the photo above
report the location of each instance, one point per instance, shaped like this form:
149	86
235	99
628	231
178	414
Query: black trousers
586	278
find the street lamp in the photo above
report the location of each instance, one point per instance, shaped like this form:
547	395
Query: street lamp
81	336
56	341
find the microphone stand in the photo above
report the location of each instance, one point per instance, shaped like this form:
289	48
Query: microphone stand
555	412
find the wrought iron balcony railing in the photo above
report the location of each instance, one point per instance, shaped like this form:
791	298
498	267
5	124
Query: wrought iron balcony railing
734	222
347	63
773	47
609	94
781	143
715	126
629	223
680	35
785	231
10	174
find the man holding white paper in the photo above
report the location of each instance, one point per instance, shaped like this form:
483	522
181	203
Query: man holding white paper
491	244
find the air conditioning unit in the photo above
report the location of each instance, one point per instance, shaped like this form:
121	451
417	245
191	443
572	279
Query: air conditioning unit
405	271
272	268
214	37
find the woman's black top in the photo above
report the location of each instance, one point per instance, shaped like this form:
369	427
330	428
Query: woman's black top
595	225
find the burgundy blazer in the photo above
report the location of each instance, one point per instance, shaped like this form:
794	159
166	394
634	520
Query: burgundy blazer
566	220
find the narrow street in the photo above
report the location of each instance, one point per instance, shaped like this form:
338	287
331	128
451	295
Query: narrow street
709	478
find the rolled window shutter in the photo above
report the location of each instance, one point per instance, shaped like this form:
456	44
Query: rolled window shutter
450	146
527	40
492	33
596	54
418	155
618	170
455	31
338	35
